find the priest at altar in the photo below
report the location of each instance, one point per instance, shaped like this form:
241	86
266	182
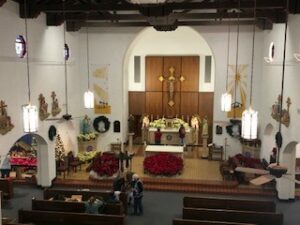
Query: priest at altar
170	132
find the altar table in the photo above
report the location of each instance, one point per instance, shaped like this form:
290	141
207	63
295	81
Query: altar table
170	136
154	149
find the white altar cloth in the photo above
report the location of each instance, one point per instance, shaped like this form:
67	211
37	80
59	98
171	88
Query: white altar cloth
170	136
154	149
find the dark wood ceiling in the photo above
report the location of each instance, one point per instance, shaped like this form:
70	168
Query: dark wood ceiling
168	16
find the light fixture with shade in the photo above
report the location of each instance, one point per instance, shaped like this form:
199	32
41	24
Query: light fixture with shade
250	116
88	95
30	112
226	98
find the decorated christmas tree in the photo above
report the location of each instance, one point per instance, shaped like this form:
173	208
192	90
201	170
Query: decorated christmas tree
59	149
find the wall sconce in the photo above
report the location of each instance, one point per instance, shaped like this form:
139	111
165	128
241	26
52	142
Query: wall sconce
271	54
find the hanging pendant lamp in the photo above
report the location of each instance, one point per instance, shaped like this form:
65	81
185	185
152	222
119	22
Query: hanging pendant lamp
226	98
250	116
30	112
88	95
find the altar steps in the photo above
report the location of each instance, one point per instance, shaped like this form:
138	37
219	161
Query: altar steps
177	185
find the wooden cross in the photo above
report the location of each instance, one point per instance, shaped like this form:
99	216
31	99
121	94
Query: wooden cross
171	79
2	107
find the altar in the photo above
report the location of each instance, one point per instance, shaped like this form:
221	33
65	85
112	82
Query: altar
170	136
154	149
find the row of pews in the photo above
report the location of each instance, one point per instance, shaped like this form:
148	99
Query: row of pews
53	212
221	211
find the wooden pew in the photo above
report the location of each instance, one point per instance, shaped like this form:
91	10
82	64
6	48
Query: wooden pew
6	186
86	194
76	207
259	218
66	218
234	204
204	222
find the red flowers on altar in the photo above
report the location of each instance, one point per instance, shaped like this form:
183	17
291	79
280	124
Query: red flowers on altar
105	165
164	164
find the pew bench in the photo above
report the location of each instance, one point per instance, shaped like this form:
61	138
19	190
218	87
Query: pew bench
86	194
6	187
231	204
67	218
259	218
76	207
178	221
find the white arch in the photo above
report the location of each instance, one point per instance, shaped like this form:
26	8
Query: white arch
182	41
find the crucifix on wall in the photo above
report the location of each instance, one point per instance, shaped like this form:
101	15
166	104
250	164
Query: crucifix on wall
171	81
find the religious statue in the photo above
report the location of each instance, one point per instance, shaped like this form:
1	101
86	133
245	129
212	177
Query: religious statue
171	82
43	111
204	127
86	126
195	122
146	121
131	120
5	120
55	107
285	114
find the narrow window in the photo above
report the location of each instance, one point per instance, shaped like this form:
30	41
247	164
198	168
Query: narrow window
207	69
137	69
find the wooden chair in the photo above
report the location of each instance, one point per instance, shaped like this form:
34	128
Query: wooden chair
215	150
74	162
62	167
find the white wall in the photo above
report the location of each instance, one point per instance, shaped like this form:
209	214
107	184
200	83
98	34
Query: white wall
46	75
271	83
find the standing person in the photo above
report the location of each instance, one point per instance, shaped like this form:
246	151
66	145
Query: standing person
157	136
119	184
5	166
137	195
182	134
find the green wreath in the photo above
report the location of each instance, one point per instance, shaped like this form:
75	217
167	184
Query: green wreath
101	124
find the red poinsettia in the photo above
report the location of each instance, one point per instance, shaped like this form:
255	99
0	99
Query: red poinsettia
105	165
164	164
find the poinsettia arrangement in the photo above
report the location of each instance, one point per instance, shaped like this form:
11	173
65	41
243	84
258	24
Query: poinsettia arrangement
105	165
164	164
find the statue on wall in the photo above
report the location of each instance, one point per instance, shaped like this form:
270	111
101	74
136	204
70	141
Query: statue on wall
145	121
5	120
204	127
55	107
43	111
285	115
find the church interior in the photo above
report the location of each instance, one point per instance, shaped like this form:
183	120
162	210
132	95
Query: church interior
196	99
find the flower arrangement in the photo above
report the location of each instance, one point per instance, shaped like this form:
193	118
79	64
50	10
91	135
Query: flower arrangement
161	123
87	155
164	164
105	165
87	137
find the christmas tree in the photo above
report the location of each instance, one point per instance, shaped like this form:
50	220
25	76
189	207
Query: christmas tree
59	149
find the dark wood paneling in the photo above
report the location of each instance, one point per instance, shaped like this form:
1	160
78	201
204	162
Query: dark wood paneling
154	69
136	103
168	111
189	103
154	103
206	109
190	71
168	62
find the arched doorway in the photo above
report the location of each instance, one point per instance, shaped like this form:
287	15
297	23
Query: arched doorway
29	159
184	41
